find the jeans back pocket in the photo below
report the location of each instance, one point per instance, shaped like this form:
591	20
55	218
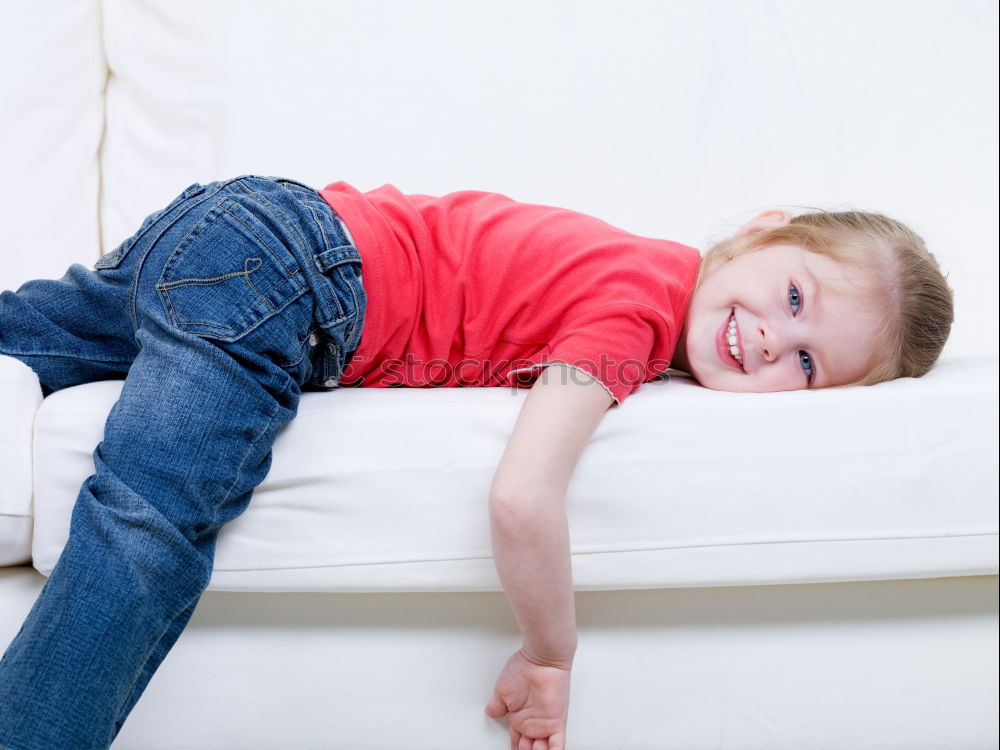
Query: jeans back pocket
232	271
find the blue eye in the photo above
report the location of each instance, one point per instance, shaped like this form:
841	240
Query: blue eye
794	298
807	365
805	361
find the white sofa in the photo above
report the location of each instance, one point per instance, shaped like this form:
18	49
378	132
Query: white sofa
788	570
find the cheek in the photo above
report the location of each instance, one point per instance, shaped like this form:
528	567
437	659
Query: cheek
770	379
717	287
707	312
783	377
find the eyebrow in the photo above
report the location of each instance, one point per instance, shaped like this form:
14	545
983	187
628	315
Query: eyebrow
816	294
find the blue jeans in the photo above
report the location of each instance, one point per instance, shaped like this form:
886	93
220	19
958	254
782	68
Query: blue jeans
218	312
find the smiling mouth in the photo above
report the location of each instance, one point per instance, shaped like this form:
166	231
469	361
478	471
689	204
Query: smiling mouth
733	339
728	344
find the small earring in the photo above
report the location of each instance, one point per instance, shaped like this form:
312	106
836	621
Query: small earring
729	258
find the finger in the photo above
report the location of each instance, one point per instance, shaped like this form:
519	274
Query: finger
496	708
525	743
557	741
515	739
540	745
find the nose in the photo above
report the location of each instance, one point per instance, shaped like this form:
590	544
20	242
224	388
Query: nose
772	341
765	346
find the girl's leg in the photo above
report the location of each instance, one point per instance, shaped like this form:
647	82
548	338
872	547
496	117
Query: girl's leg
78	329
338	319
228	307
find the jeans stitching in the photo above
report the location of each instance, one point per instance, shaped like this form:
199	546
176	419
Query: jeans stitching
166	287
222	207
74	356
277	213
324	300
277	256
199	228
112	259
134	290
341	315
184	282
306	197
296	235
282	217
250	283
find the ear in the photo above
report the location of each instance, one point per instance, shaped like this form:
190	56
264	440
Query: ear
767	220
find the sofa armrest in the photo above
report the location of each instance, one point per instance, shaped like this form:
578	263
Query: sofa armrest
20	397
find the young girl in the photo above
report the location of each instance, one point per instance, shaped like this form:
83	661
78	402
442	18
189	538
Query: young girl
240	294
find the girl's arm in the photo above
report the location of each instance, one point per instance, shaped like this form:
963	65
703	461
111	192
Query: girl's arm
531	547
527	507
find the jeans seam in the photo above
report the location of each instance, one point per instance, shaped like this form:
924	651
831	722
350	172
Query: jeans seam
311	200
284	220
134	289
265	205
70	356
221	206
341	315
306	196
278	214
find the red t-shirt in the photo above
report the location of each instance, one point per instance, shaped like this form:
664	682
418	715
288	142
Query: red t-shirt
475	289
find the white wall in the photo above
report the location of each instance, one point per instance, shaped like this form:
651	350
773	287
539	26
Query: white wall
677	119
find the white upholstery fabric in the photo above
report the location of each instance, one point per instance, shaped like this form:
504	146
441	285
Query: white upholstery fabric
386	490
672	119
20	396
52	77
894	664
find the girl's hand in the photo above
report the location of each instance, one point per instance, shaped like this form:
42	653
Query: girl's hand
537	698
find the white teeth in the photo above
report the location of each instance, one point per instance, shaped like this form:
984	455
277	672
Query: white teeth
733	340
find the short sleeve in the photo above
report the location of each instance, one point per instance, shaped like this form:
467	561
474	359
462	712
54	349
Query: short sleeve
614	345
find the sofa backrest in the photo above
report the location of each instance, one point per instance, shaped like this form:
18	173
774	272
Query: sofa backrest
672	119
52	78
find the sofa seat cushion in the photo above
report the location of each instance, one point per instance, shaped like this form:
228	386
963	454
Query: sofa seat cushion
386	489
20	396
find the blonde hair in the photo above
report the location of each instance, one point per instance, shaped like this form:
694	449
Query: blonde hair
919	305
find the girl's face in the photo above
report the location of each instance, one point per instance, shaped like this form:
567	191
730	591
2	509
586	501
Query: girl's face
777	319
